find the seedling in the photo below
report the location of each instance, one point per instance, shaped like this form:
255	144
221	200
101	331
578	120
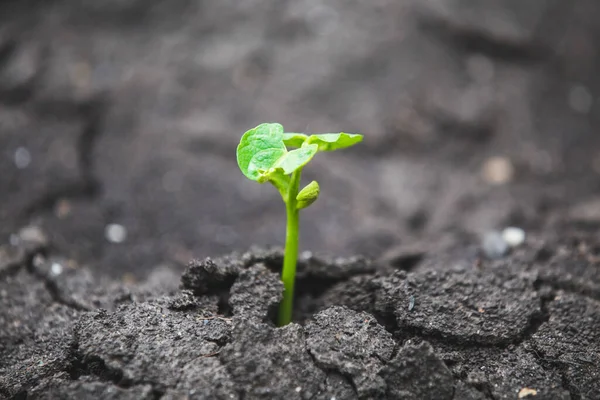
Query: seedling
263	156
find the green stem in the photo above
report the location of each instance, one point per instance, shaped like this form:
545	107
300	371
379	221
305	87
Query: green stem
288	274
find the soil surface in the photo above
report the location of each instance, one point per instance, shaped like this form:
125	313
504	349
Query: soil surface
452	327
118	126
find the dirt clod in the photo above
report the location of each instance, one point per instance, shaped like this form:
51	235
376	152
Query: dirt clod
417	373
209	277
267	362
353	344
255	292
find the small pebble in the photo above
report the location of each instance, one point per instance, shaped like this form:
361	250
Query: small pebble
498	170
494	246
411	303
306	254
298	389
115	233
56	269
513	236
33	234
22	158
527	392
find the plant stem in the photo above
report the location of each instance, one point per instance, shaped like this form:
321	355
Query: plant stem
288	274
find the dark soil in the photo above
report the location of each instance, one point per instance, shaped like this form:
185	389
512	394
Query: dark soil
459	329
125	114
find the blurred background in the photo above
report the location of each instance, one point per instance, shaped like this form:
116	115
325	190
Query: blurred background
119	121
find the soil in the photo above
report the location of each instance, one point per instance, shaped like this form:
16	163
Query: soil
118	124
461	328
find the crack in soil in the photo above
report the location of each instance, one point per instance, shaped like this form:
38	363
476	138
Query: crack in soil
388	321
91	364
536	320
7	49
571	287
406	262
92	112
558	366
476	41
82	365
88	186
13	267
23	91
55	293
454	393
347	377
485	389
566	384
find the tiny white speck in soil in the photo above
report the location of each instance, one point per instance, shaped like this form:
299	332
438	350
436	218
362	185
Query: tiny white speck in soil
56	269
513	236
306	254
298	389
494	246
115	233
22	158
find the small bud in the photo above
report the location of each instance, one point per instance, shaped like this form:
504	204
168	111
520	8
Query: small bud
308	195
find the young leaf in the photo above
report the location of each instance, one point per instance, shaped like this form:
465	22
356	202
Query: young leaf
259	149
335	141
297	158
294	139
308	195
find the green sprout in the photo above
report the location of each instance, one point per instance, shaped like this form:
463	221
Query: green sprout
263	157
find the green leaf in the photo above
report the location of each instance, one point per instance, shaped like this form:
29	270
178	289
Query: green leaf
294	139
295	159
260	149
335	141
308	195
